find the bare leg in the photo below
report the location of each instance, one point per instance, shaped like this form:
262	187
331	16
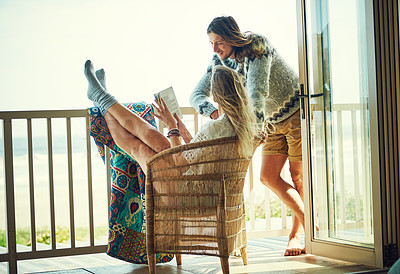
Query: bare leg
128	142
136	149
243	252
126	118
139	128
296	172
292	197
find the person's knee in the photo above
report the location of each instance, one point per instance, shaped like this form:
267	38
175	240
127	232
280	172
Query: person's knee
269	178
296	172
141	152
271	168
297	178
156	140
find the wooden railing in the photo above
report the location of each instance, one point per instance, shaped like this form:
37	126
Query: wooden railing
11	254
264	210
352	201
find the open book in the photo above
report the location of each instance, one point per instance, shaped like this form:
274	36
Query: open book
168	95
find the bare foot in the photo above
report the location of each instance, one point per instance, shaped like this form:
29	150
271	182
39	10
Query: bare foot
294	247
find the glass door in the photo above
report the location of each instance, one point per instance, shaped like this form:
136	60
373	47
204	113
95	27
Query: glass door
338	110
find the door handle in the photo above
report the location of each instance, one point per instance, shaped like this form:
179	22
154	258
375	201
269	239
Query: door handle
317	95
312	95
302	96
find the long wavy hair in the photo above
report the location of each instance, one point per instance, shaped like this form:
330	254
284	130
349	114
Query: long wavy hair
229	93
244	44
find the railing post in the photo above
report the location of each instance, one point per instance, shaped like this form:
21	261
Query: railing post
10	198
267	207
70	184
90	181
51	185
31	185
340	175
356	172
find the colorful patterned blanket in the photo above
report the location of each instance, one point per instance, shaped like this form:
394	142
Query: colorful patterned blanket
127	221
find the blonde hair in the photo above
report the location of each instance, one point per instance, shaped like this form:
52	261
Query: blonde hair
230	94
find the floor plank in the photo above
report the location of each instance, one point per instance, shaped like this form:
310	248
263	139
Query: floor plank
264	256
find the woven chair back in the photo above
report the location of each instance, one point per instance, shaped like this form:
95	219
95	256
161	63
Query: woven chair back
195	201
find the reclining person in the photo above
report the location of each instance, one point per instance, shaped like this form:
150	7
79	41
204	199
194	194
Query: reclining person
142	141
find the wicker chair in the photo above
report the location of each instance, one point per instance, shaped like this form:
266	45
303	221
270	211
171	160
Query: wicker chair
194	201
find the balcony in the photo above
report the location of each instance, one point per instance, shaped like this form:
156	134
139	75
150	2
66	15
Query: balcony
56	191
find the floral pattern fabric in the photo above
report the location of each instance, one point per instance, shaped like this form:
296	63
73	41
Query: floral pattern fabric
127	216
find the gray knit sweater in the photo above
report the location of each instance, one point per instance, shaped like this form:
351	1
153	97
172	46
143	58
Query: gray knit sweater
272	84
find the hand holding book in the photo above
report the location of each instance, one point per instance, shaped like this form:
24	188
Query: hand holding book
168	95
162	112
170	120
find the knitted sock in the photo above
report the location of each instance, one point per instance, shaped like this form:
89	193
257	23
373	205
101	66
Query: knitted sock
96	92
101	76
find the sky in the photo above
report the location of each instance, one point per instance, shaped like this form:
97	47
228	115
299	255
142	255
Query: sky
144	46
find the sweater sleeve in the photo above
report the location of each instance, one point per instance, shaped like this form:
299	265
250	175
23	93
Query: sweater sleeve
200	96
257	84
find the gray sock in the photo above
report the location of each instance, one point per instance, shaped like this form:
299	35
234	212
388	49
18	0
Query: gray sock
96	92
101	76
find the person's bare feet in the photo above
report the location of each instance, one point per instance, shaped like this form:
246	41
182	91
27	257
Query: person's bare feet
294	247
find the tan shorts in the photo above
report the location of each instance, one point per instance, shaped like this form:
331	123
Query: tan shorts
284	138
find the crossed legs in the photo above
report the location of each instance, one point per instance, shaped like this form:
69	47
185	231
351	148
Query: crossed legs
130	132
128	142
271	168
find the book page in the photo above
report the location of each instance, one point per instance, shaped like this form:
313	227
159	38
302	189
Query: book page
168	95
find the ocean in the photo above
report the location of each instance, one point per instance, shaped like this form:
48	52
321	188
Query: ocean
59	145
60	175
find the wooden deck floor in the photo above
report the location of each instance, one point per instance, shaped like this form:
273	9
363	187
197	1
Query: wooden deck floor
264	256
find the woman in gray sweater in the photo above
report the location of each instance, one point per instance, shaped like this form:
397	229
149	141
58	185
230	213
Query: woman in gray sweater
273	87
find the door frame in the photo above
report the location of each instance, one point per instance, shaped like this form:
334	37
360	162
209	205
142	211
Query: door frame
357	254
